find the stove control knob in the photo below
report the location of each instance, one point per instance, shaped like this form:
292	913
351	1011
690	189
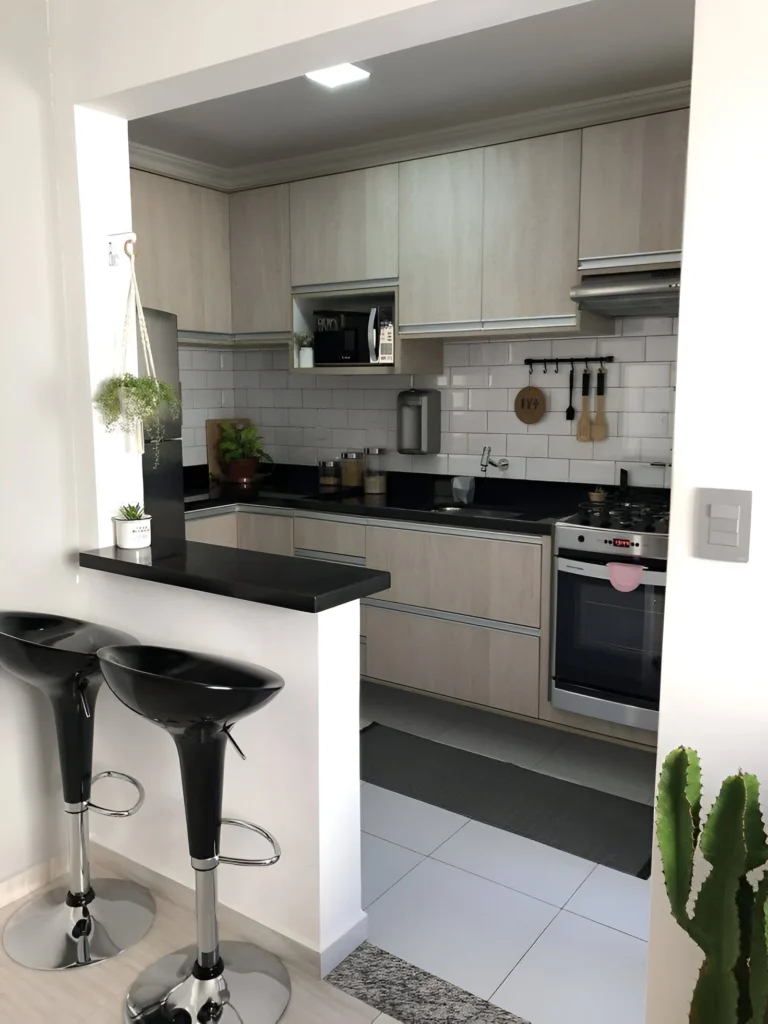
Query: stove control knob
581	538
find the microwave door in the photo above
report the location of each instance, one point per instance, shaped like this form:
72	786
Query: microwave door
373	348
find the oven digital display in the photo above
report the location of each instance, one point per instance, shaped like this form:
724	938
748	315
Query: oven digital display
621	542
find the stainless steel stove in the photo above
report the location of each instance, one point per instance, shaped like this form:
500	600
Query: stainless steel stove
608	611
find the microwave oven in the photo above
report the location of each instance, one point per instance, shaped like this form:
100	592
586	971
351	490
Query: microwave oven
354	337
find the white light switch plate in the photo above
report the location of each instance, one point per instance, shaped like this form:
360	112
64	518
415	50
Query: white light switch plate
723	521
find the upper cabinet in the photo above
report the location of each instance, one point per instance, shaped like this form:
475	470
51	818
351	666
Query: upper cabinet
259	229
441	241
632	191
182	252
344	227
530	229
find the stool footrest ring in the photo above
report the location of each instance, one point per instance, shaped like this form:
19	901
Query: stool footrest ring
264	862
111	812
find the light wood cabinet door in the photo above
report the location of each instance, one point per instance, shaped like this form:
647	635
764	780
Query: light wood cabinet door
344	227
182	252
213	530
531	226
491	667
441	240
489	579
633	186
259	229
326	535
260	531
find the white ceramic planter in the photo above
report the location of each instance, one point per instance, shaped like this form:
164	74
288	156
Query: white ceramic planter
306	358
133	533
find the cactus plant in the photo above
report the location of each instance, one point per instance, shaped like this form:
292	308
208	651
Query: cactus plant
728	917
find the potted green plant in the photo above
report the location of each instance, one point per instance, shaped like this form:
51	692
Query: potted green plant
305	349
728	916
133	527
241	449
134	404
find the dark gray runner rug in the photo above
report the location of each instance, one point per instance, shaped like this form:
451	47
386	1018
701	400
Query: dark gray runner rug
596	826
409	994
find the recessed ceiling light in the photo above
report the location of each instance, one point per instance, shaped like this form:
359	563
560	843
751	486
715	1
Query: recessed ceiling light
340	74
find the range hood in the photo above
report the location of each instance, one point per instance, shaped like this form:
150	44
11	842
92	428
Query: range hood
643	293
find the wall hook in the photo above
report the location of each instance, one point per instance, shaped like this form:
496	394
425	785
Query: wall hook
557	366
545	366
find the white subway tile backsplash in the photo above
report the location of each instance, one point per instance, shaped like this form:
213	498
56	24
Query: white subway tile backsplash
647	325
315	415
643	424
469	422
514	471
532	445
469	376
453	443
496	442
546	469
455	354
570	448
661	349
591	472
645	375
488	398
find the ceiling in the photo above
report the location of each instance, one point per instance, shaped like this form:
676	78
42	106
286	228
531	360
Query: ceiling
579	53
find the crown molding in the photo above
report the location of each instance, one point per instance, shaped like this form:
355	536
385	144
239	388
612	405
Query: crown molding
411	147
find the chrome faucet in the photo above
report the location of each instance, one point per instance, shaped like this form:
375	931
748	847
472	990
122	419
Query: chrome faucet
486	461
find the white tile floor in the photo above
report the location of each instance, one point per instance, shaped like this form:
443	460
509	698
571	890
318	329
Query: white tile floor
539	932
536	931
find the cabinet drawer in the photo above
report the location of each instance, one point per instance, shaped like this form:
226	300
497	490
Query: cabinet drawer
213	530
489	579
324	535
264	532
491	667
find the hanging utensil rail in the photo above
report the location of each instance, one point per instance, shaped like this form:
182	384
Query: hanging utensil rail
569	360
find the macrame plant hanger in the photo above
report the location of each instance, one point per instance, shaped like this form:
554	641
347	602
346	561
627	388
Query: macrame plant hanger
136	439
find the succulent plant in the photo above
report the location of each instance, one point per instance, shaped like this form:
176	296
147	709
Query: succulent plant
728	917
132	512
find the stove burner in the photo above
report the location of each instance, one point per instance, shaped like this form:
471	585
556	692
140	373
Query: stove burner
630	515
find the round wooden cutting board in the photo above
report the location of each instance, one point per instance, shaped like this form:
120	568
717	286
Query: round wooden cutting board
530	404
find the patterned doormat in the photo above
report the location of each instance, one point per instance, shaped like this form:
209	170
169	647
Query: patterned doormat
410	995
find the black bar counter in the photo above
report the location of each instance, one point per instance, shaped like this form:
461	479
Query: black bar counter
302	584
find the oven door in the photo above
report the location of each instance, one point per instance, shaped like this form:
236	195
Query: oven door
607	644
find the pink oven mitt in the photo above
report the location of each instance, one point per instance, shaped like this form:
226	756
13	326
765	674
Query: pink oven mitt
624	576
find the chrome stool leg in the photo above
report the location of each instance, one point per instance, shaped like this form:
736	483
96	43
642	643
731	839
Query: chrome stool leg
85	922
226	982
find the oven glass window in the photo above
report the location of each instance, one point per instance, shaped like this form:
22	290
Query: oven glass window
609	642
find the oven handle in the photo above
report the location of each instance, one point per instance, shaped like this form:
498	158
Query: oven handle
600	572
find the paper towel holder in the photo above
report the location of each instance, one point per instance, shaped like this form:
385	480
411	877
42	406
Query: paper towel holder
418	421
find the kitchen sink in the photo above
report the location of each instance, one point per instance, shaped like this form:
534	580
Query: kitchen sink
479	512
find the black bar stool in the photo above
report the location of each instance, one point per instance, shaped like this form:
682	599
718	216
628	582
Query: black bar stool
84	922
198	698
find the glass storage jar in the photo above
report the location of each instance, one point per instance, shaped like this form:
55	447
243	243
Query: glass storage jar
329	474
375	474
352	469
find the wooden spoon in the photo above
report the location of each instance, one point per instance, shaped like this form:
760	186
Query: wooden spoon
599	423
584	429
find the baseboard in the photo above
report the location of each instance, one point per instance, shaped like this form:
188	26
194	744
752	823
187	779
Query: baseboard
32	879
304	957
341	947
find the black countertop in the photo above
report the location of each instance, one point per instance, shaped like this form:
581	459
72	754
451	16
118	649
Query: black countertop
303	584
511	506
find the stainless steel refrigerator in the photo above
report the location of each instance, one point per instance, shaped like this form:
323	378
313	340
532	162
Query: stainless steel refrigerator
164	483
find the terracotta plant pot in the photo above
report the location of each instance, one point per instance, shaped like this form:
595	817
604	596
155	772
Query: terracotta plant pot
240	471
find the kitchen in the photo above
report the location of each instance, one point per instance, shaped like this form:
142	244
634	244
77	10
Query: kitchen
244	269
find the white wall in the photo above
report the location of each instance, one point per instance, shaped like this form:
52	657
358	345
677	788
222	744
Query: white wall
714	693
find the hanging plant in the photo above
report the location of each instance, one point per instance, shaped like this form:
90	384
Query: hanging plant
124	401
138	406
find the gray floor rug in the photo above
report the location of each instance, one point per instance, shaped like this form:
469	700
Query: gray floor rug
408	994
597	826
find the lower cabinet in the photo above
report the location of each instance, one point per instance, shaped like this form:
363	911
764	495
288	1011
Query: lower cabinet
311	534
260	531
492	667
213	530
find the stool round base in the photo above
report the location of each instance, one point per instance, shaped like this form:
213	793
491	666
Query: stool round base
254	988
47	935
